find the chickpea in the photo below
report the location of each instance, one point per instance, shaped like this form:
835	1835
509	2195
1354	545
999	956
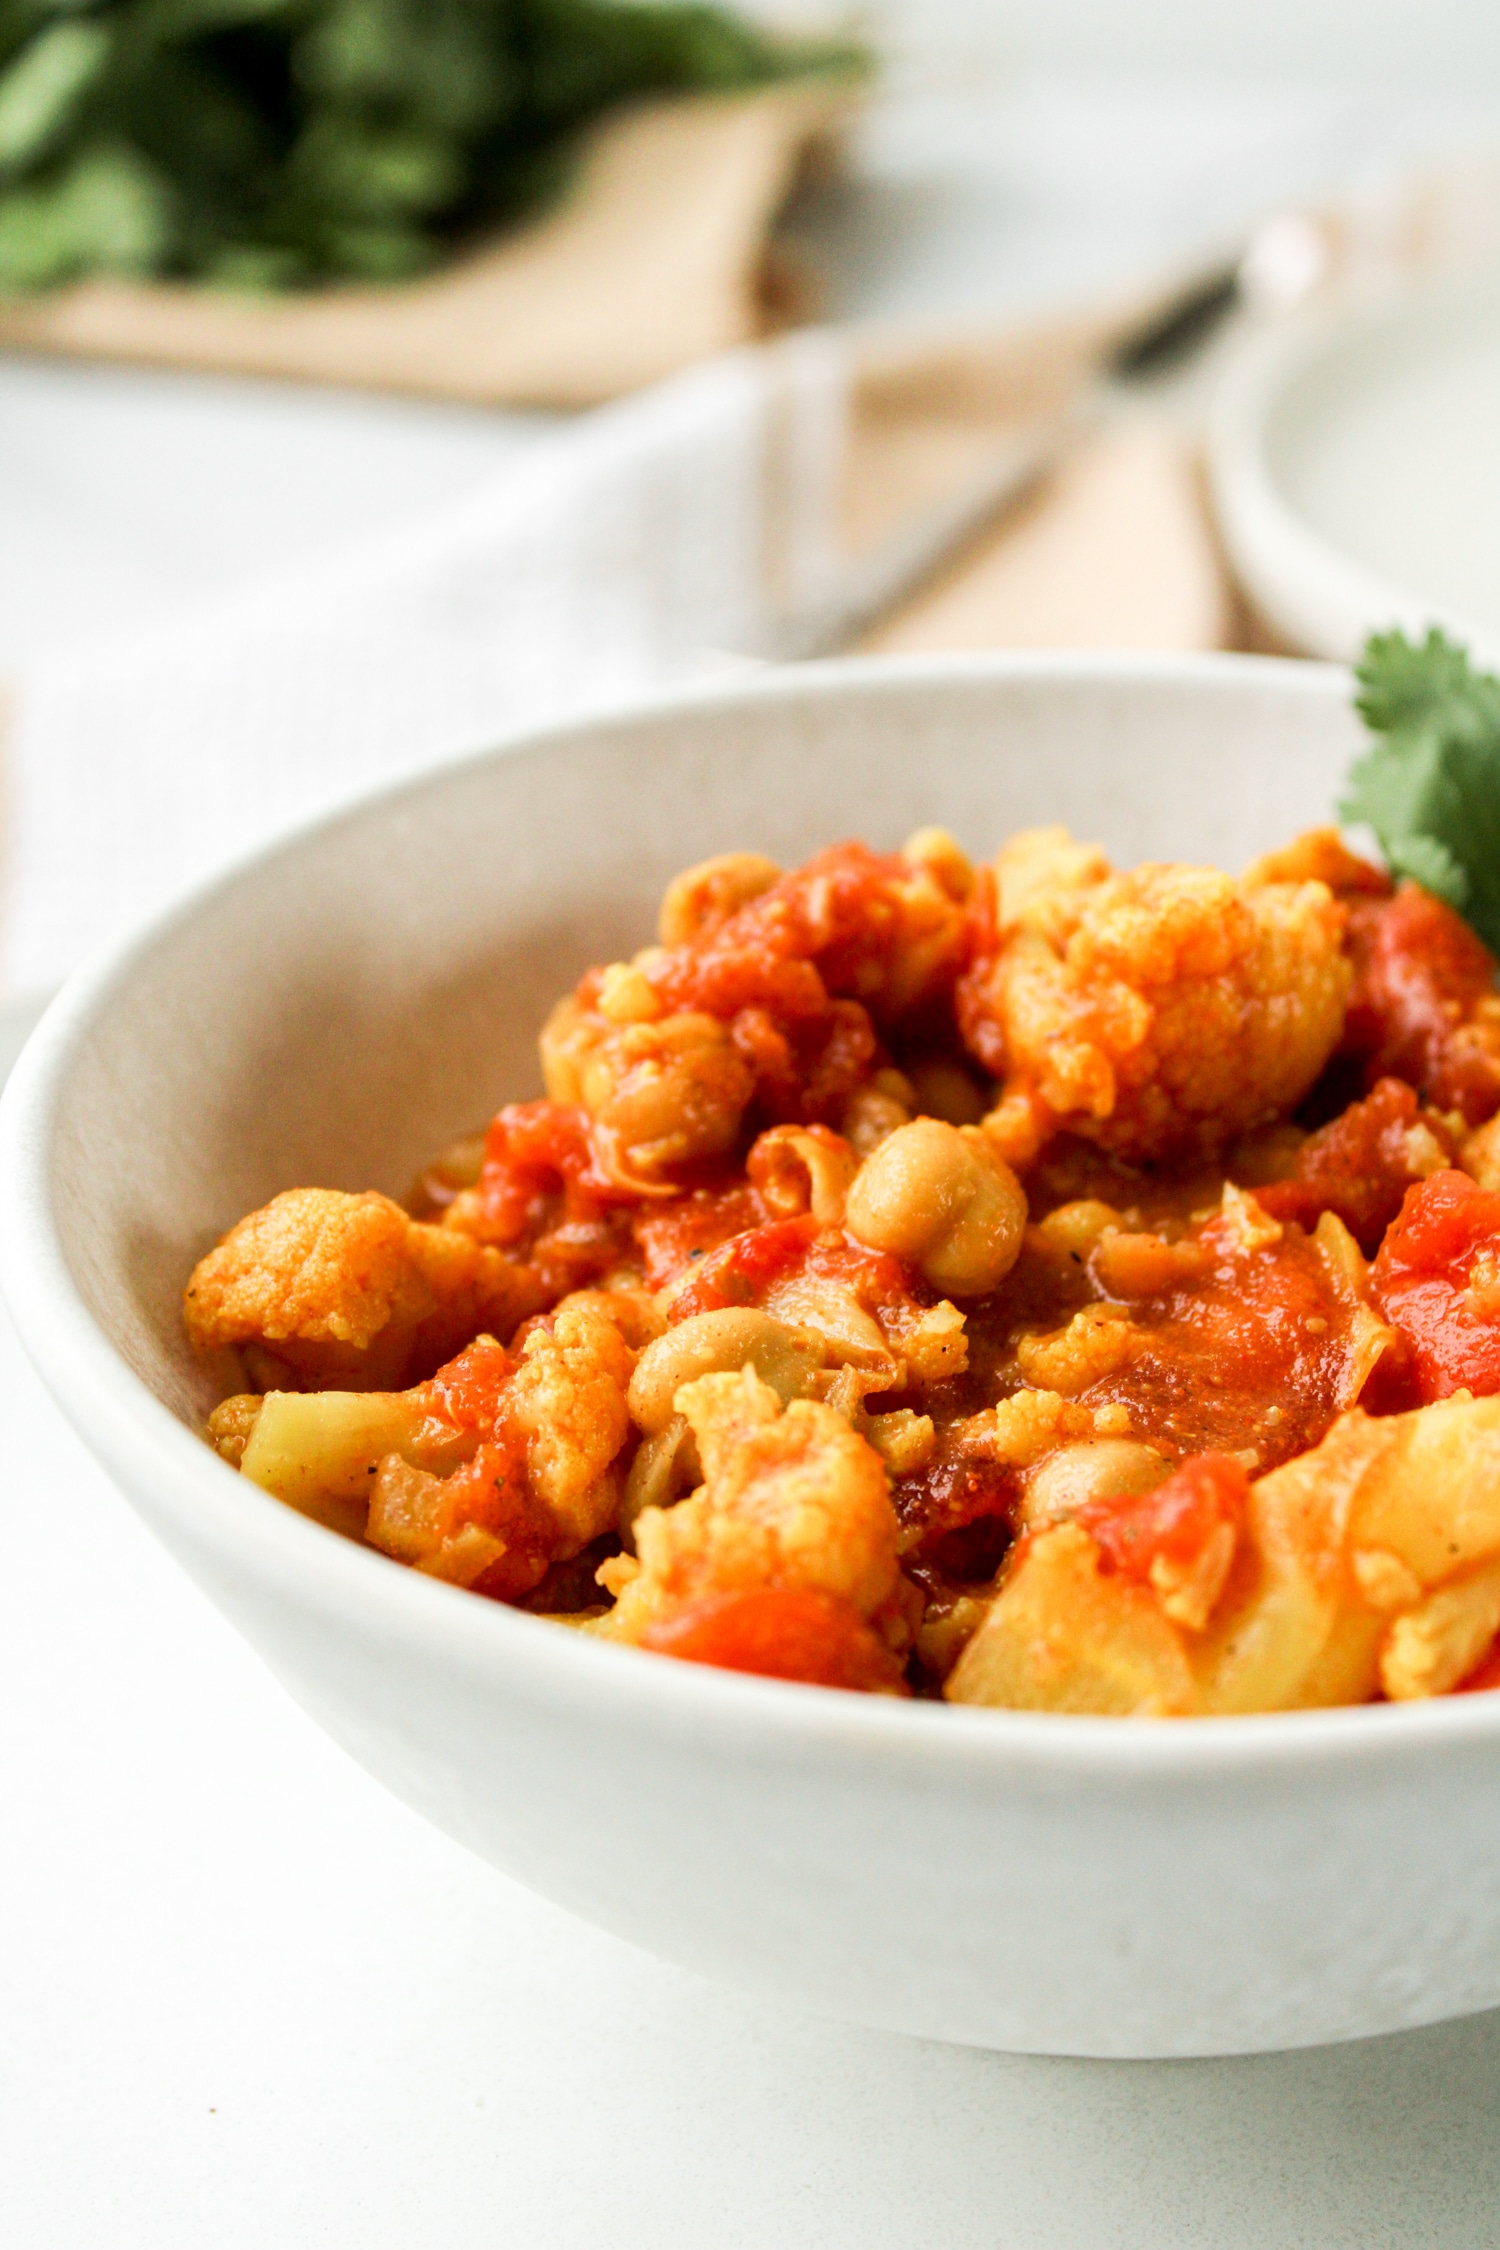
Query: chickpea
871	1118
935	1196
665	1092
935	850
1096	1469
874	1110
797	1168
717	1343
627	995
665	1467
1075	1230
702	897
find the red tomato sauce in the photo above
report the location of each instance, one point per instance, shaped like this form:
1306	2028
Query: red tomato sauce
469	1390
958	1514
673	1235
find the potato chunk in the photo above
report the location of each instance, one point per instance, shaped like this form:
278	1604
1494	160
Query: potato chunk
321	1451
1349	1539
499	1466
1371	1561
1065	1637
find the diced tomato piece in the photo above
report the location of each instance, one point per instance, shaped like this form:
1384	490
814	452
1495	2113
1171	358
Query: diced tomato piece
744	1270
1359	1166
795	974
813	933
1175	1522
467	1392
534	1151
783	1633
1419	973
1435	1280
741	1270
492	1492
672	1235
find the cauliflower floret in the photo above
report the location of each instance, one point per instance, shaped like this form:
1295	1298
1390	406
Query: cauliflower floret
1319	855
791	1498
567	1407
1156	1013
542	1483
333	1291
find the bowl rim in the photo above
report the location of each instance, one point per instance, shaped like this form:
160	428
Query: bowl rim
1308	586
121	1419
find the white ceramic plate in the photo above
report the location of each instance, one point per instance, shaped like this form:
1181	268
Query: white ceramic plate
1356	470
349	1000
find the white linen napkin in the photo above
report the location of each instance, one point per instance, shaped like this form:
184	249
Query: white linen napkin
613	557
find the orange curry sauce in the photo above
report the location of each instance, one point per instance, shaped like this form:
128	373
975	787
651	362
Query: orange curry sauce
1239	1339
1244	1162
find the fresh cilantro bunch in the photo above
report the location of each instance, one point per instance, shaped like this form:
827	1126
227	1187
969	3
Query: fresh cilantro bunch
1430	787
277	143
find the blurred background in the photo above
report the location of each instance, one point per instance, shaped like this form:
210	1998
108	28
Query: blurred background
378	375
1439	42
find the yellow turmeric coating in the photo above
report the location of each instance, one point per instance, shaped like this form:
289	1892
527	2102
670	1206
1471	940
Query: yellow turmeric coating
791	1497
567	1405
1159	1012
328	1290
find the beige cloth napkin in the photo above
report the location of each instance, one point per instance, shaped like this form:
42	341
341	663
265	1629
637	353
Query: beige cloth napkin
659	256
1112	547
1117	548
1113	550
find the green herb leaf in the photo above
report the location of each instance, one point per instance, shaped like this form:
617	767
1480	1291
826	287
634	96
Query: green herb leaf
279	143
44	85
108	214
1430	786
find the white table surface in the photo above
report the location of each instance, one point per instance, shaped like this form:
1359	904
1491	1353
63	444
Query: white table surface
245	1999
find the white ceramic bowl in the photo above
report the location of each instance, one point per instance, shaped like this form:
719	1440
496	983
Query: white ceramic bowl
349	1000
1355	462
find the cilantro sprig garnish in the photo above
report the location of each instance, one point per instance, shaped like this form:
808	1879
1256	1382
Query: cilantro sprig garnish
1430	784
275	144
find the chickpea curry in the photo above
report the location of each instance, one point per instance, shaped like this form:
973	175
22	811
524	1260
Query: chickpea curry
1030	1284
